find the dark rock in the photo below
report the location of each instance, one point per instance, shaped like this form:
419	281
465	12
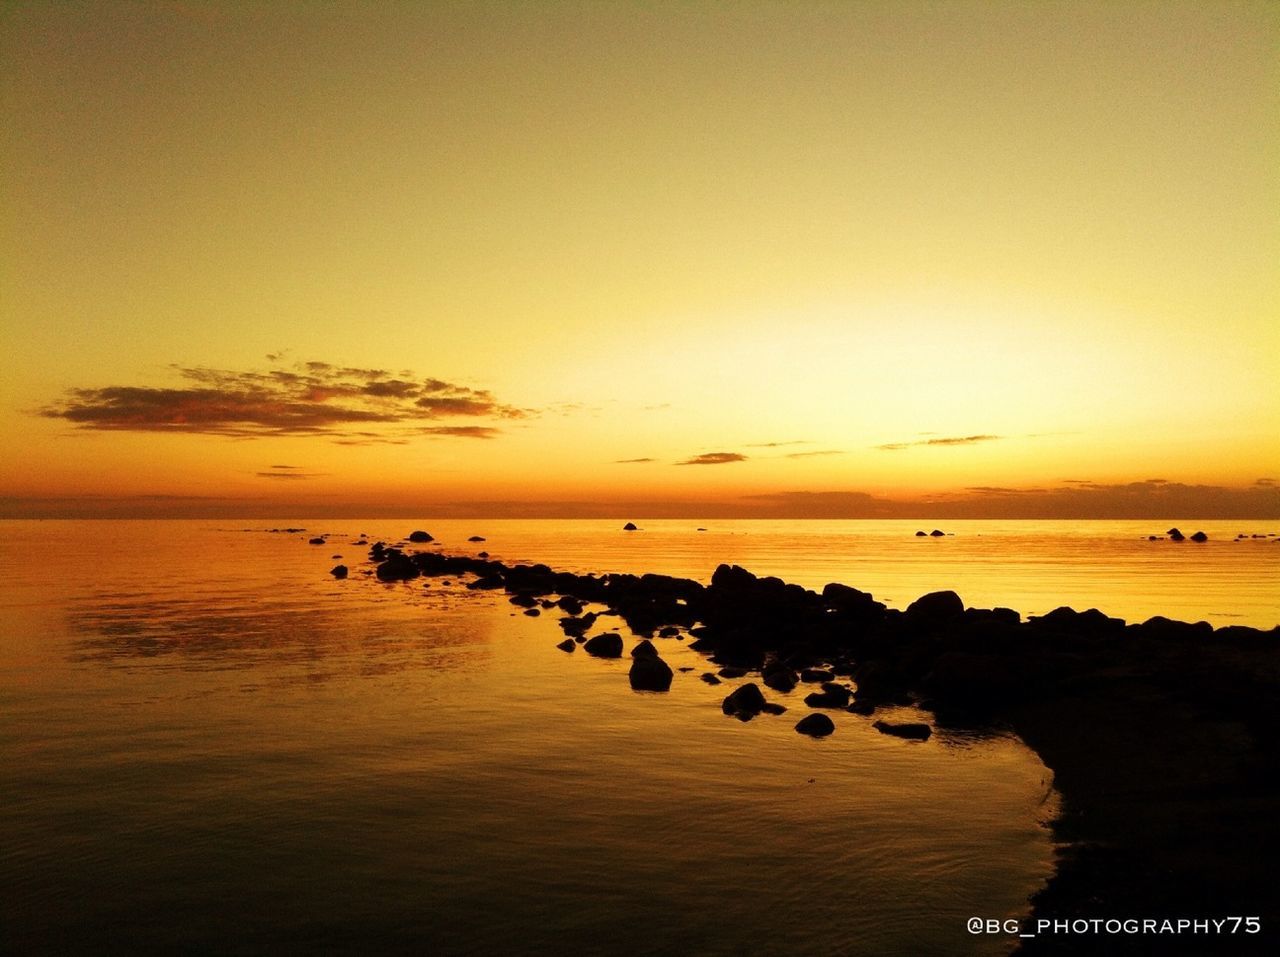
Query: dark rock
476	538
523	600
630	527
746	700
1175	535
397	568
420	536
669	632
644	650
570	604
567	645
937	533
831	696
935	608
861	707
338	571
608	645
1199	537
911	731
816	725
781	679
815	675
316	541
731	672
770	707
709	678
533	612
922	534
487	583
649	673
482	554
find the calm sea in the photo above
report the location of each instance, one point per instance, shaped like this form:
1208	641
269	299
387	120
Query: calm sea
211	746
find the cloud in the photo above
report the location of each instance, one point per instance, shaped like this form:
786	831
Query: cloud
292	476
805	455
632	461
311	398
774	445
714	458
957	440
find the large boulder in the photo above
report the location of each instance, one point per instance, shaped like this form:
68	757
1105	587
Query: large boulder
644	650
649	674
630	527
397	568
608	645
420	536
935	608
338	571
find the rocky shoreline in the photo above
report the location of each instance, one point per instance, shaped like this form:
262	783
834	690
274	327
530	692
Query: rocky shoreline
1161	735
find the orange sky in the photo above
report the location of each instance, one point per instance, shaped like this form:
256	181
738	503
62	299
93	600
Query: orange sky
811	259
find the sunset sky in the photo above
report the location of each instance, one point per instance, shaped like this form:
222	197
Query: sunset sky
691	259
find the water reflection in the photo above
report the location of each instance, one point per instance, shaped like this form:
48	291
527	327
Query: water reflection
243	632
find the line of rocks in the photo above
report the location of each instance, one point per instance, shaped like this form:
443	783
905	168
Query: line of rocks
1132	718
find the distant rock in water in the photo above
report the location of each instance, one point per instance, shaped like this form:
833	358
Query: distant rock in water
316	541
1199	537
630	527
608	645
816	725
1176	535
476	538
420	536
937	533
649	673
567	645
338	571
922	534
910	731
397	568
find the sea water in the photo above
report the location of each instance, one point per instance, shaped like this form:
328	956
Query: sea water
209	745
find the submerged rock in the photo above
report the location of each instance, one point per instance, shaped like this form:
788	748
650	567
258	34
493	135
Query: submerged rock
420	536
816	725
338	571
913	731
1199	537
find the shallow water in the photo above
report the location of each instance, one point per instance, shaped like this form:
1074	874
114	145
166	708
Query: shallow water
211	746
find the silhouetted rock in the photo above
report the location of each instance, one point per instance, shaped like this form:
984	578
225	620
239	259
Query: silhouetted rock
397	567
937	533
487	583
608	645
1199	537
831	696
533	612
922	534
935	608
669	632
910	730
577	626
644	650
746	700
523	600
1175	535
630	527
476	538
815	675
649	673
338	571
420	536
570	604
731	672
709	678
861	707
316	541
816	725
781	679
567	645
770	707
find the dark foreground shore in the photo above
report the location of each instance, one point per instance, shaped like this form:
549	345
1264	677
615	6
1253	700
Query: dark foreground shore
1162	736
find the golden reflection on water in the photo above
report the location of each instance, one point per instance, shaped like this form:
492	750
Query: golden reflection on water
215	741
